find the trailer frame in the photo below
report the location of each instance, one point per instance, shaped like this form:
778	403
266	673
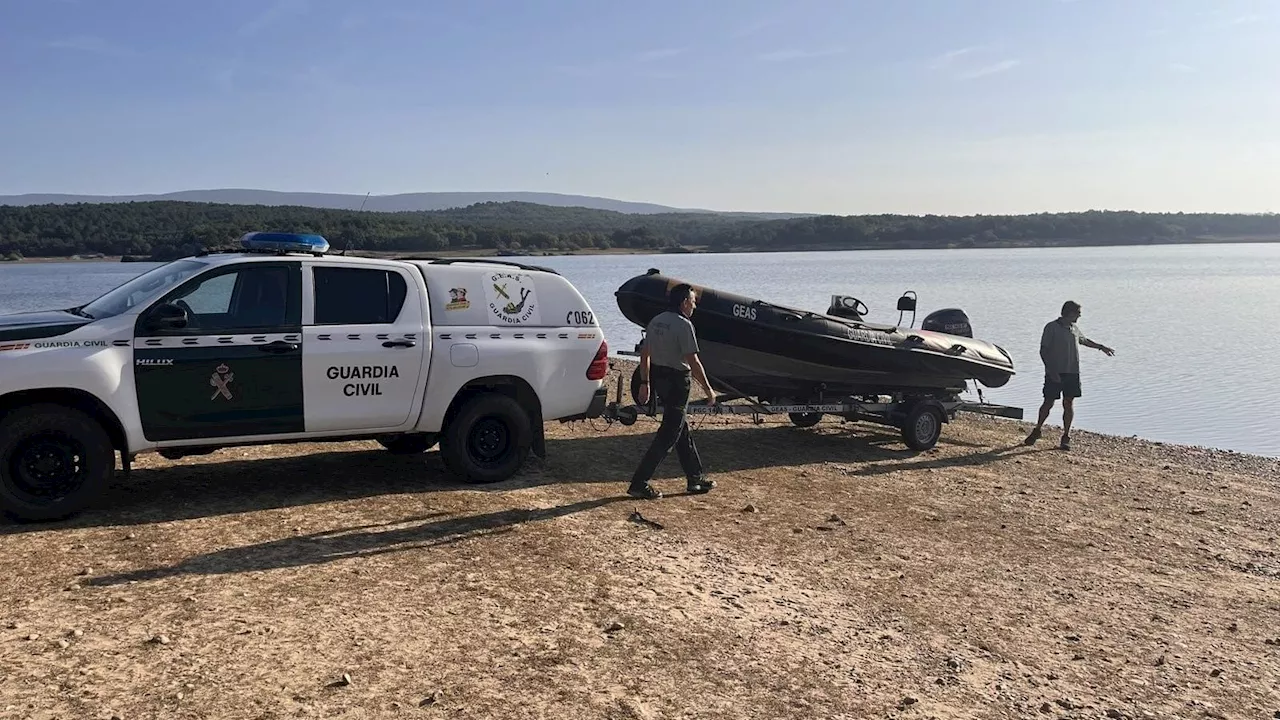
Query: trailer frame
919	417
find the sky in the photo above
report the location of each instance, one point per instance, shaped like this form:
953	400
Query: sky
825	106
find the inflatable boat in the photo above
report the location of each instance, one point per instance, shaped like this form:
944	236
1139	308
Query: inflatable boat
779	353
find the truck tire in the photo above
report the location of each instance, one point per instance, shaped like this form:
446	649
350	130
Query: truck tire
54	462
488	440
412	444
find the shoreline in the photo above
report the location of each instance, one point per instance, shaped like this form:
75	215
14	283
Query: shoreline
358	253
706	249
623	366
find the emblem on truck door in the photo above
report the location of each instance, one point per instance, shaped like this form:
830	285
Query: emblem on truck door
512	300
221	380
457	299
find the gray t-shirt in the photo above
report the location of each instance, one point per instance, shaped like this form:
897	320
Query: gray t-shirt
1059	347
670	337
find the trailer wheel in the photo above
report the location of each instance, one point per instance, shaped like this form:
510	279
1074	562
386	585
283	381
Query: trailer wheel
805	420
922	427
412	444
488	440
54	461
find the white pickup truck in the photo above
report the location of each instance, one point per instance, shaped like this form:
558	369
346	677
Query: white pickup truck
279	341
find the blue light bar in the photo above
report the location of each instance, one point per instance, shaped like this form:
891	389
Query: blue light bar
284	242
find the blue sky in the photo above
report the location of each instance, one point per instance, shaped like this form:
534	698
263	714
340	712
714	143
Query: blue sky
856	106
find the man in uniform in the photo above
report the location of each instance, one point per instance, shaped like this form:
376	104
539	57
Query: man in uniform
1061	355
668	356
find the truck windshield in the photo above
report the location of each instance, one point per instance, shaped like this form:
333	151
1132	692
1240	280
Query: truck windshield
142	289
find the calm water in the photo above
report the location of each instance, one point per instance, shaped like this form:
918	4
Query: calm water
1194	327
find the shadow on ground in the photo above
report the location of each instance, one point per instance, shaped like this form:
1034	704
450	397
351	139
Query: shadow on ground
210	487
317	548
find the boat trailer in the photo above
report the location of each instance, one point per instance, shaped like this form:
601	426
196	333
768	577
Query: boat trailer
920	418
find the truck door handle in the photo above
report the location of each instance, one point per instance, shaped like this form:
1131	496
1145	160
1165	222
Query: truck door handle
279	346
399	343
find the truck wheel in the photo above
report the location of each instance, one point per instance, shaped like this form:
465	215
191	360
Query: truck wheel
54	461
488	439
408	444
922	427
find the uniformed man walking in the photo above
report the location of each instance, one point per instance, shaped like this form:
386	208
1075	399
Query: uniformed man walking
668	357
1061	355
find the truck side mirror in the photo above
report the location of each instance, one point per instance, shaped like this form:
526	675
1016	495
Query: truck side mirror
166	316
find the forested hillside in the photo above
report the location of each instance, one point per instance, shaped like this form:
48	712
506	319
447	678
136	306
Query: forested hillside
170	229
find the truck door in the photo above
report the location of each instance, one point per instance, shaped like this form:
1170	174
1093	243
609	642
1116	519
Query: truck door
221	355
365	341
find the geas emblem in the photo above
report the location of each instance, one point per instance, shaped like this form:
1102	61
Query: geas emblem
512	299
221	382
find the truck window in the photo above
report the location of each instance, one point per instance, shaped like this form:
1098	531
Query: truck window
212	297
357	296
241	298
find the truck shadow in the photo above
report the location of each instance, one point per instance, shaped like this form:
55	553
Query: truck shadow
210	487
366	541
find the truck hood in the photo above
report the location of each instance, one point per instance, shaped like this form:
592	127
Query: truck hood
40	324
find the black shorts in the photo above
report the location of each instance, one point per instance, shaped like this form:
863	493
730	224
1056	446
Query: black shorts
1068	385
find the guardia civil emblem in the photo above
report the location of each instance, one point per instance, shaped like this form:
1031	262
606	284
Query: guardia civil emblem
221	382
512	299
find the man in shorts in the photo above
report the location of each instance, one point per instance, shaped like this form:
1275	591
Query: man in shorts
1059	349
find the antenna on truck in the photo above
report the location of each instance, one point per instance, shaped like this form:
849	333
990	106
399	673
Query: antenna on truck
347	244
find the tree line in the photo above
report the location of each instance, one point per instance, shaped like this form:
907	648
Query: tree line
167	229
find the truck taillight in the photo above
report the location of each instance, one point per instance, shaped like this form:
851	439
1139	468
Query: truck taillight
599	366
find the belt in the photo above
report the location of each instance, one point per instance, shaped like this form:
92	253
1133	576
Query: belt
655	367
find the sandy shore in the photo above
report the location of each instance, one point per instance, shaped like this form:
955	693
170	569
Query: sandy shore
833	574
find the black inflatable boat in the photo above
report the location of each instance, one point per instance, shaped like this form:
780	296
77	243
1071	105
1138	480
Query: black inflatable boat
778	353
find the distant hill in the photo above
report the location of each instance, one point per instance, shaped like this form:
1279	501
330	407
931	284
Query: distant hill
167	229
405	202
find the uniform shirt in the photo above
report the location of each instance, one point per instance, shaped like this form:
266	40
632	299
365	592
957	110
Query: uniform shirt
1060	347
670	337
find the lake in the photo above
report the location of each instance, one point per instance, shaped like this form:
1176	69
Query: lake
1193	326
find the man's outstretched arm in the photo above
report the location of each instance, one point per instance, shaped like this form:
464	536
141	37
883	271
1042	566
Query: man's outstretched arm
1096	346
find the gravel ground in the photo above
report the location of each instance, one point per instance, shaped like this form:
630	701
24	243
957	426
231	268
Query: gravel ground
833	573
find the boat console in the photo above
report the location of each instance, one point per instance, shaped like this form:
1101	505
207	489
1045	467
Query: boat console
847	306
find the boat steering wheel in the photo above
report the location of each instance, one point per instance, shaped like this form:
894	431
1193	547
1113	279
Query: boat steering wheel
858	306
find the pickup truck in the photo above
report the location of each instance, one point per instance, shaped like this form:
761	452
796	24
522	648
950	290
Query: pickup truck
279	340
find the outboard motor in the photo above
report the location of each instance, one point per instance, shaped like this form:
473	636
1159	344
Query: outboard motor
952	321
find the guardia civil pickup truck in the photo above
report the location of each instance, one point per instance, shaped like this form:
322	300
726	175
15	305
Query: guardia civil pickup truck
278	340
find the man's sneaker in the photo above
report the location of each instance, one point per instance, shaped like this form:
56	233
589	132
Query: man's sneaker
644	492
1065	443
700	486
1033	437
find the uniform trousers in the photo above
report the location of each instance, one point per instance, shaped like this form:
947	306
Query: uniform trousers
672	386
